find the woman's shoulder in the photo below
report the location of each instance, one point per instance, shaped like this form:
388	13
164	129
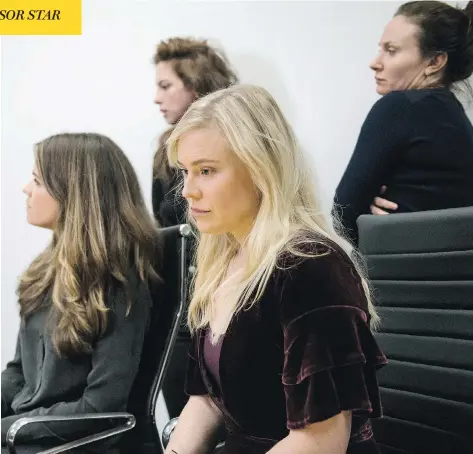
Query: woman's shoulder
319	275
414	98
394	101
311	251
131	295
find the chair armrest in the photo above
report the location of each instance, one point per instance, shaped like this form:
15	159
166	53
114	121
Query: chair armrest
130	422
168	430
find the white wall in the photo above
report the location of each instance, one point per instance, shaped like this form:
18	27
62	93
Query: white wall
313	56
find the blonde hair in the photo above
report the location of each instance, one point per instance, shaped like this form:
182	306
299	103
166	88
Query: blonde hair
202	68
103	235
289	217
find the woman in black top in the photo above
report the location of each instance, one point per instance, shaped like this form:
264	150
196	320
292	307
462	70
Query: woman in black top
417	139
186	69
84	301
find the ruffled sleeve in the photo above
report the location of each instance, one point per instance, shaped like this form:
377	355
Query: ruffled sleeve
194	384
330	354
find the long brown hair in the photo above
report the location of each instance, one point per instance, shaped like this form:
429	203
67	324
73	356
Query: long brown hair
103	232
202	68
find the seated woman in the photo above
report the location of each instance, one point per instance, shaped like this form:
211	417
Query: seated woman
186	69
282	354
85	300
417	139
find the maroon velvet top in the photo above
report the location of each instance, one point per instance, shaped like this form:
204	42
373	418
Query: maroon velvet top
302	354
212	356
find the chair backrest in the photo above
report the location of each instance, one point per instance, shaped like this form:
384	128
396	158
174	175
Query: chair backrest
169	300
421	268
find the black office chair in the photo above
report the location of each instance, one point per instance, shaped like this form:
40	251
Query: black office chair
174	381
169	302
421	268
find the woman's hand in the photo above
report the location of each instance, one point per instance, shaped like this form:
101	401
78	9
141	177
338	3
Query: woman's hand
379	203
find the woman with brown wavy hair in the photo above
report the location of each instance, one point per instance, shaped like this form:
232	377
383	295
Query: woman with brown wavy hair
186	69
85	300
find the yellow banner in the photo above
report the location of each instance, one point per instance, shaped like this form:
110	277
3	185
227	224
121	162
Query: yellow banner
40	17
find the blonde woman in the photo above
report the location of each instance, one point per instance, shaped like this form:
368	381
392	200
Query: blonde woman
85	300
282	352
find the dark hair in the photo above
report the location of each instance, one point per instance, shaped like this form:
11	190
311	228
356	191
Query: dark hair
444	29
103	232
202	68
